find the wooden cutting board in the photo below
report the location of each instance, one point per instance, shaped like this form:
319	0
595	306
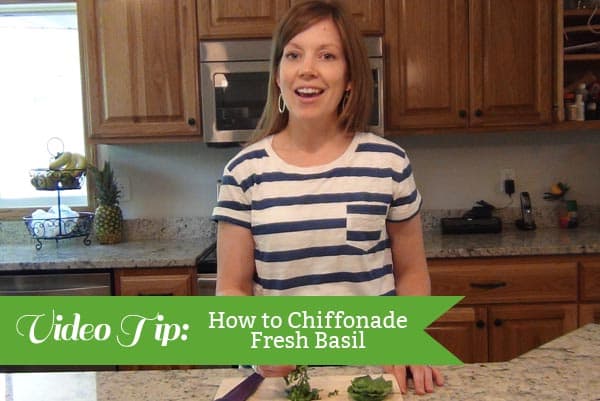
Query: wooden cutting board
273	388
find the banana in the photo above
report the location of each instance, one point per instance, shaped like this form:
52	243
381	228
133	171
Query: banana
60	161
71	163
80	162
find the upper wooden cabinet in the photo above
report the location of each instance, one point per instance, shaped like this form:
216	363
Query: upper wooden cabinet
462	63
368	14
140	64
578	61
231	19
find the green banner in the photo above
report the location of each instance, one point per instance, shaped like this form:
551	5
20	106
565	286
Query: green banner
89	330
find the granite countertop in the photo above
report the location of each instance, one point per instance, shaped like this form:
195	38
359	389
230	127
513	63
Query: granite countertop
563	369
72	254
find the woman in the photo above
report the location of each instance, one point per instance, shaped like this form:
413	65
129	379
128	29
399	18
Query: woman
315	206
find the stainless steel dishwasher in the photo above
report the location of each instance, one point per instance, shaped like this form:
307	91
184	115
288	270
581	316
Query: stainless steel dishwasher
206	263
55	283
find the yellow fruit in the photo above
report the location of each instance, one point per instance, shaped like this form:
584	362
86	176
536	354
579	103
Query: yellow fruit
556	190
60	161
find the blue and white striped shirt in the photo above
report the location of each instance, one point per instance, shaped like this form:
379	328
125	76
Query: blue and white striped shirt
320	230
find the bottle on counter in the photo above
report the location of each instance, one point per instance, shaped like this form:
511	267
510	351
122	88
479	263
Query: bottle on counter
582	90
591	110
579	108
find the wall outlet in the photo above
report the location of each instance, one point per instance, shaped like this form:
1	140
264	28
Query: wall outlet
506	174
124	185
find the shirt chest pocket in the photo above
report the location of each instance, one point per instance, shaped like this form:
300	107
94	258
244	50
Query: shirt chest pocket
365	224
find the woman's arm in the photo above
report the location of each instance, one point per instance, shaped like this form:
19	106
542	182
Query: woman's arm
412	278
235	260
408	255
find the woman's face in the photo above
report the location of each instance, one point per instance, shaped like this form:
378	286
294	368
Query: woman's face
312	74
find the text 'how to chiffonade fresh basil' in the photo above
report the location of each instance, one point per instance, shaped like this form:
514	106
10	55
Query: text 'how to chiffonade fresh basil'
92	330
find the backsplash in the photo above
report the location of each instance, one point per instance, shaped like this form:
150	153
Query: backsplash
14	232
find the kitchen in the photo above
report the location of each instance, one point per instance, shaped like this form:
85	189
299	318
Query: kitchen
539	157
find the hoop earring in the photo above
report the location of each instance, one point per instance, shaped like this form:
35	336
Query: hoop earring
345	99
280	104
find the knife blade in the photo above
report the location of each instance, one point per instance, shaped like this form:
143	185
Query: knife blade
244	389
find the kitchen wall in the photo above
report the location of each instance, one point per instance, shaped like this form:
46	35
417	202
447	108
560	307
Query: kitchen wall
452	170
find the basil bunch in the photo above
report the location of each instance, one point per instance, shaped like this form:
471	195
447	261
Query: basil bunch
300	389
365	388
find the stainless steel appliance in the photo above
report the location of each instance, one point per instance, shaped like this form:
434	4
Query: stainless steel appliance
55	283
234	76
92	283
206	263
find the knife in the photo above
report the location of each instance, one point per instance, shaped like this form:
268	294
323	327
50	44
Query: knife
245	389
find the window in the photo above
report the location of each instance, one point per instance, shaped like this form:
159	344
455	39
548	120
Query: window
40	98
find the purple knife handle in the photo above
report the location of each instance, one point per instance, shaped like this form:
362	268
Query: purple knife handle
245	389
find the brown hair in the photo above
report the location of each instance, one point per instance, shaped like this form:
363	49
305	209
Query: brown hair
353	116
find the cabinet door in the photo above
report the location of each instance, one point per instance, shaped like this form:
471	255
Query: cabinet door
590	280
368	14
589	313
510	62
462	330
426	63
516	329
167	281
141	75
230	19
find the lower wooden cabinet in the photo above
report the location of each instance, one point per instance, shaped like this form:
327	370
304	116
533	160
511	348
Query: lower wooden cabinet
516	329
160	281
462	330
589	313
511	305
589	284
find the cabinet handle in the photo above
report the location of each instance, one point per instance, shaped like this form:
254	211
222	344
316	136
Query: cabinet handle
497	322
149	294
478	113
462	113
191	121
488	286
480	324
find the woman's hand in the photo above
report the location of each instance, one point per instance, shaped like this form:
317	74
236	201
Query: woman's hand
424	378
274	370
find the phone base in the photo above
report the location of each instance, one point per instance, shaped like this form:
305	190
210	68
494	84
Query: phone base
521	225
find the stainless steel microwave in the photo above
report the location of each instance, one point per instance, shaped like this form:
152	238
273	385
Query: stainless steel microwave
234	76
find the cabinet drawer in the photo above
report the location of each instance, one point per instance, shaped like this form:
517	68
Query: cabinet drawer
500	280
590	281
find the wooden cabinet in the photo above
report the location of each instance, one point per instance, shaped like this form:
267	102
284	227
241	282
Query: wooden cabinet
511	305
589	307
231	19
140	70
589	313
228	19
577	59
516	329
468	64
462	330
368	14
161	281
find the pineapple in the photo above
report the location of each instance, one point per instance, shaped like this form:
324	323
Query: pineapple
108	219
